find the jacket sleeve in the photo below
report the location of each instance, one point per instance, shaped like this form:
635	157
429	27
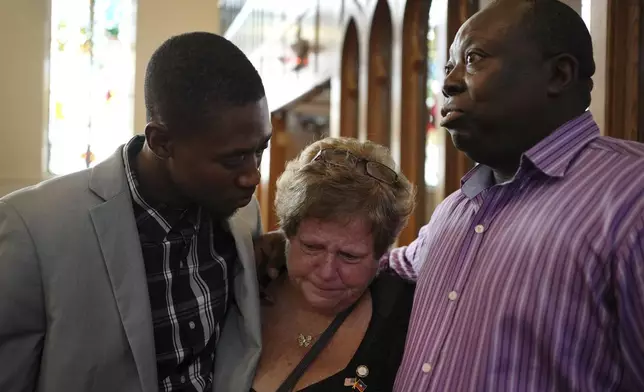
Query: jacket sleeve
22	316
258	230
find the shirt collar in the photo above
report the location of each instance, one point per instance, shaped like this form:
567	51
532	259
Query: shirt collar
172	215
552	156
130	151
476	181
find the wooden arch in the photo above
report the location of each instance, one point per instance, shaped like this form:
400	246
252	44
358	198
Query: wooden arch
379	76
349	82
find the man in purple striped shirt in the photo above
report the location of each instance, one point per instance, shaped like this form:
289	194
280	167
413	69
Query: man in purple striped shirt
531	277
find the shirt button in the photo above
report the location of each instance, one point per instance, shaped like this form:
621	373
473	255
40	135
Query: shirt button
192	325
427	368
452	295
479	229
183	379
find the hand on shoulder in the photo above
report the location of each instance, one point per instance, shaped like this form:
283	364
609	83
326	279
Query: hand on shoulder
270	258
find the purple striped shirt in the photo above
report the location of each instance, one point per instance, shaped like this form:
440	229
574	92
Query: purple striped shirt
536	284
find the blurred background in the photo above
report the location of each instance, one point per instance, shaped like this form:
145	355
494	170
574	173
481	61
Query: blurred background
71	78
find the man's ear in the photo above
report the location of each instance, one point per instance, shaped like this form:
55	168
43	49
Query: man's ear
564	73
158	139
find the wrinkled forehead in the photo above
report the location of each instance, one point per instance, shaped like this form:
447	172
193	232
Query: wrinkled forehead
343	231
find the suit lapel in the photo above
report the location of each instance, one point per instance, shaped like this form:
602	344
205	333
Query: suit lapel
245	285
239	347
119	240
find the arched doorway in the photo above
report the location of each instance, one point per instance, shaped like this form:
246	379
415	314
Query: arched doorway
379	87
349	82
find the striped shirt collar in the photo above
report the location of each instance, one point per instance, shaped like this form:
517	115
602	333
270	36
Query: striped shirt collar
552	156
130	151
168	214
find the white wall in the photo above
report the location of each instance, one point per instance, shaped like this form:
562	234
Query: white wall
598	31
574	4
157	21
24	39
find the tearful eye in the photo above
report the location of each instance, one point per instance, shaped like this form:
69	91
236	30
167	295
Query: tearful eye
310	247
349	258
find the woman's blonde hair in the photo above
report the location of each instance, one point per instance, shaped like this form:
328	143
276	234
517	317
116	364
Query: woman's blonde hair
319	190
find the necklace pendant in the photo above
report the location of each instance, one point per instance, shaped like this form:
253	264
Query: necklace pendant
304	341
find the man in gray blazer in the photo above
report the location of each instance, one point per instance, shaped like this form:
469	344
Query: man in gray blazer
139	274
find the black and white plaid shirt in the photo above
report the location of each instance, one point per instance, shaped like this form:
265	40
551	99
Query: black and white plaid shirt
189	260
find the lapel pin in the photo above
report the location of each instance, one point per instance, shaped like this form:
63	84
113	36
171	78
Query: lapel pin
349	382
362	371
359	386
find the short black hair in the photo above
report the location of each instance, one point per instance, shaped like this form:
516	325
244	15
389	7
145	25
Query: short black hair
556	28
192	77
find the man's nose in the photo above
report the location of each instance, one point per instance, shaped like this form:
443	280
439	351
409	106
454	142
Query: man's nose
454	83
251	175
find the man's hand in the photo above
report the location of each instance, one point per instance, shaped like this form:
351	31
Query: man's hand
270	258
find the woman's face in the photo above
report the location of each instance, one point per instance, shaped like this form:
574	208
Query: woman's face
331	262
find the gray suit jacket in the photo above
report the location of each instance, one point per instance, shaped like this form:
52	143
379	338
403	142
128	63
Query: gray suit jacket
74	307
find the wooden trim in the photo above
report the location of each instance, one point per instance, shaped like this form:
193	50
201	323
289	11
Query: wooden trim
413	119
624	70
379	76
350	83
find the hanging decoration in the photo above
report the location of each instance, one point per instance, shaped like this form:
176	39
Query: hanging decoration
88	156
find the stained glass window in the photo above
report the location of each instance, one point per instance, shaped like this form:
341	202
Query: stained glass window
91	94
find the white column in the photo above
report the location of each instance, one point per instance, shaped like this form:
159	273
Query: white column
599	33
574	4
24	39
484	3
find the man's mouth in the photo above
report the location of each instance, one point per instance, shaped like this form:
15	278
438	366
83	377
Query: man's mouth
449	116
243	200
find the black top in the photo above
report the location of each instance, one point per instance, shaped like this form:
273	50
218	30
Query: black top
382	347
